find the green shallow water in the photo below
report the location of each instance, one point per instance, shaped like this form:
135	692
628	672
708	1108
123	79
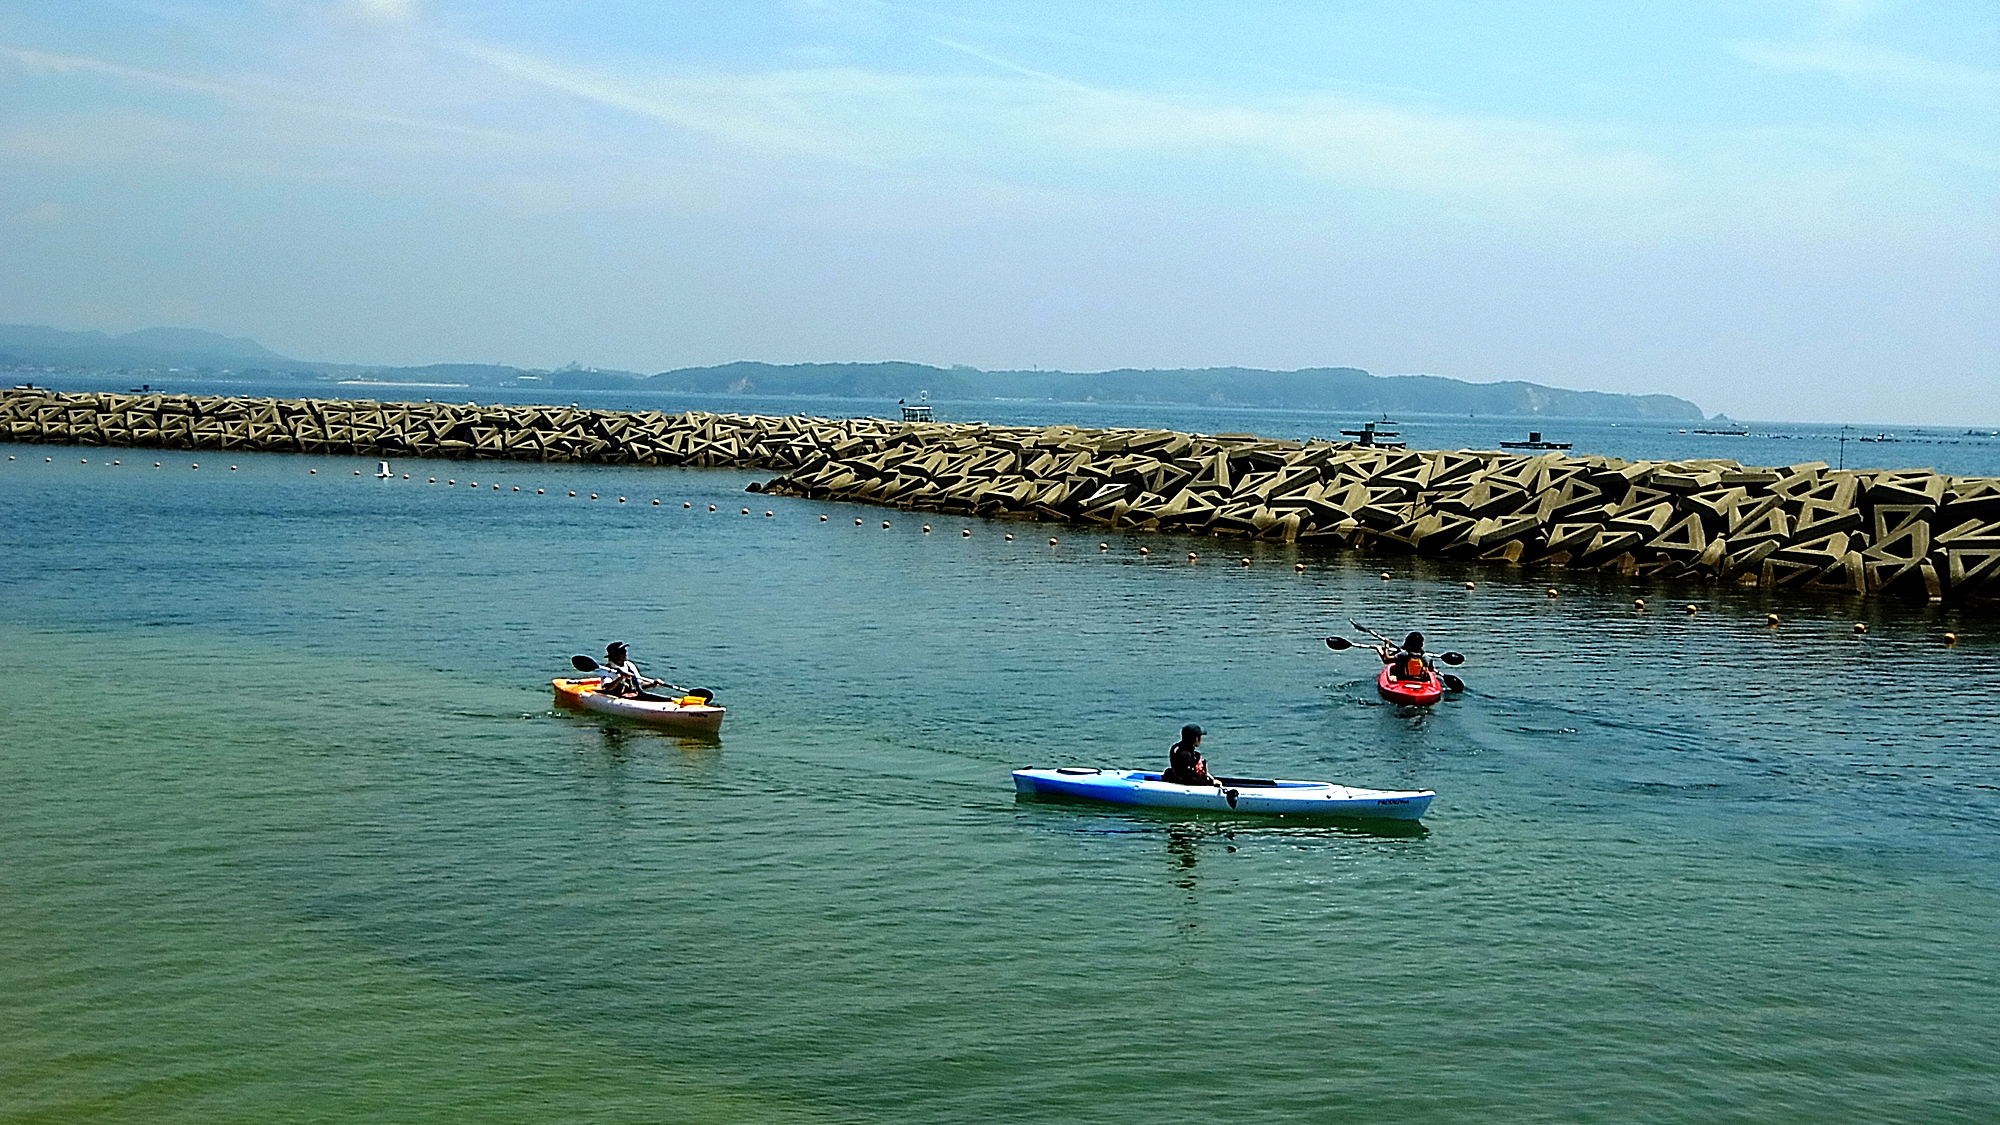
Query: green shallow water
289	829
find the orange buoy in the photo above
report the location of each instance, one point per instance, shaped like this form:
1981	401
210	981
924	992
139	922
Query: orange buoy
1552	591
1472	585
1245	560
1771	619
1951	638
1638	603
1693	609
1860	627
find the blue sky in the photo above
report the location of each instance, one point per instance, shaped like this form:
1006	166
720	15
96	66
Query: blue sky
1782	209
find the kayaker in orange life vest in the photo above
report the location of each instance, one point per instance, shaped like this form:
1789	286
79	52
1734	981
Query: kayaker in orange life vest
1185	765
1409	661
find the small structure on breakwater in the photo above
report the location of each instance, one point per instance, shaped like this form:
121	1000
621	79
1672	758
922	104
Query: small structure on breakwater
1903	533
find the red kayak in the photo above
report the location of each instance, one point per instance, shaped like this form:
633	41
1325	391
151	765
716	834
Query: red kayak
1416	693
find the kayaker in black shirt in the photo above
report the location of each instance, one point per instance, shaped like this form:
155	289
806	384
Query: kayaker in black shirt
1409	661
1185	765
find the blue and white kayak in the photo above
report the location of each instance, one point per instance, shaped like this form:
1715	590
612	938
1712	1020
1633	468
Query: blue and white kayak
1237	794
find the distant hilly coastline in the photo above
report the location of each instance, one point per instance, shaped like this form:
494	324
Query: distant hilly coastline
161	354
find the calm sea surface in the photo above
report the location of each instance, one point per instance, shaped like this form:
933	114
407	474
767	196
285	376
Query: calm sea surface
289	830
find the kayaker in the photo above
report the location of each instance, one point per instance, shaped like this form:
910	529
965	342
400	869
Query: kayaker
1409	661
1185	765
622	677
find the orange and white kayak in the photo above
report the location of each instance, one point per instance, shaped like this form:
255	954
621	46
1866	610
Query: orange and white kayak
687	712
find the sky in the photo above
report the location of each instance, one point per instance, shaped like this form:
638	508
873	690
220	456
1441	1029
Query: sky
1781	209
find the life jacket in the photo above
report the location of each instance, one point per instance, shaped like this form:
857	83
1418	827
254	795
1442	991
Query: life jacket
1412	668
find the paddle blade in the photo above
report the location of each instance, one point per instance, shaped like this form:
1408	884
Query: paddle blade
703	694
1338	643
1453	658
1230	796
583	663
1453	682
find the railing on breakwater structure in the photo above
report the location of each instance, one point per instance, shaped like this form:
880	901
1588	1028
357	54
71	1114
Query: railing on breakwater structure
1908	533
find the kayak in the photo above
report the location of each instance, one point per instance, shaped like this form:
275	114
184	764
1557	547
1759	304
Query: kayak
1237	794
1416	693
689	712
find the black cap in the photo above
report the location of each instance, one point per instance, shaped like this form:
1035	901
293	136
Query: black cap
1192	731
615	646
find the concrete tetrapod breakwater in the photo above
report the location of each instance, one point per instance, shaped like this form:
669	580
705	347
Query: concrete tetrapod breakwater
1910	533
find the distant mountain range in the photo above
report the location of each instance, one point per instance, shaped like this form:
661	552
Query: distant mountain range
160	353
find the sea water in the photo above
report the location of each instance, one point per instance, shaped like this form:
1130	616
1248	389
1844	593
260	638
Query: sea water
290	829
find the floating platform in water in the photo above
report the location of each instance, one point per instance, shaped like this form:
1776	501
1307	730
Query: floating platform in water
1535	442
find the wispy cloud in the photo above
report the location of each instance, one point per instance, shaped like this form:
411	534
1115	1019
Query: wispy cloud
1035	123
1881	70
48	63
